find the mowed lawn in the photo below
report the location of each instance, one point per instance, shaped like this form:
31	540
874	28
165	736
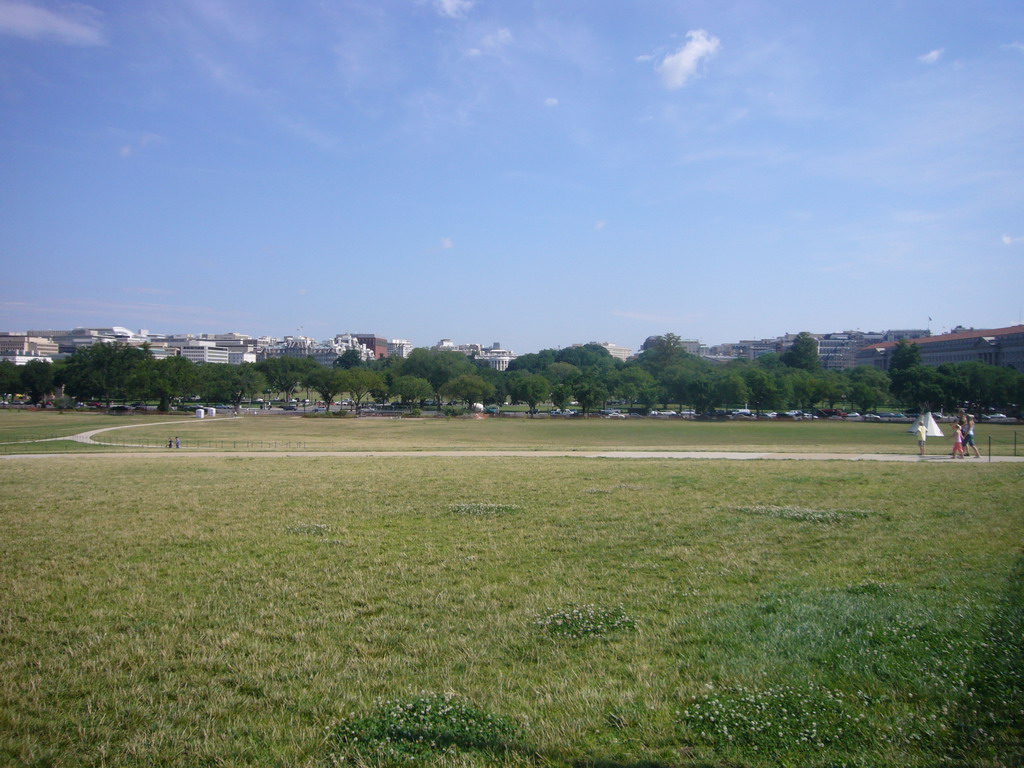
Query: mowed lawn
152	431
254	612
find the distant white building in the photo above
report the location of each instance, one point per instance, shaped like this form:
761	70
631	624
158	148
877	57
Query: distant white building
494	355
619	353
399	348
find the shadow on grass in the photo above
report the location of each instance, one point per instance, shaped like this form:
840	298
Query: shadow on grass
989	723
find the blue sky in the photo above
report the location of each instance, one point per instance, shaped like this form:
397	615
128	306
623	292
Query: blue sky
534	173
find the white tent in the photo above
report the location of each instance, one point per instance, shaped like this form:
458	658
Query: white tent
929	423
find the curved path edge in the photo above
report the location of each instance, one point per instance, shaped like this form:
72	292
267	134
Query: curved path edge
707	455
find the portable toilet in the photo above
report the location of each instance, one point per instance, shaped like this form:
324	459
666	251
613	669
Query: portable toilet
200	413
211	412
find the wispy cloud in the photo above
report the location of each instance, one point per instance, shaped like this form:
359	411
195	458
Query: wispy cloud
551	101
600	225
144	141
492	43
447	243
932	56
1010	240
75	24
677	68
453	9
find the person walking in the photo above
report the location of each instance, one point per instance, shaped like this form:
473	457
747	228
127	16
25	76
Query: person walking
958	442
922	436
969	439
177	442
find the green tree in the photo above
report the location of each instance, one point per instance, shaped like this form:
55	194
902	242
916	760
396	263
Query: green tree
166	380
731	389
411	389
284	374
350	358
37	380
437	367
327	383
469	388
763	388
803	353
101	371
590	393
534	389
10	379
869	387
561	396
359	382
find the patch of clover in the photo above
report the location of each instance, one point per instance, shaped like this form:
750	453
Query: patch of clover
805	514
309	529
585	621
482	509
786	718
430	723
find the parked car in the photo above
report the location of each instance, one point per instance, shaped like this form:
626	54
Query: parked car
993	416
615	415
872	417
853	415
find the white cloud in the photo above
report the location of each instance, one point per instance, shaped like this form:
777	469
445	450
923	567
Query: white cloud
74	25
492	43
144	141
600	225
453	9
1015	46
447	243
551	101
677	68
1010	240
932	56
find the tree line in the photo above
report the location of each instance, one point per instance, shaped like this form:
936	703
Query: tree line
663	374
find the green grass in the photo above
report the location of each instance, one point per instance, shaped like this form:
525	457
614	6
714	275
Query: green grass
240	612
382	434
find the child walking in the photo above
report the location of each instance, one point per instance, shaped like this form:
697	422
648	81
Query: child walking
958	442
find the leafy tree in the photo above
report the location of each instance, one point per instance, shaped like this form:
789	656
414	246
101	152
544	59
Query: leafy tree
437	367
359	382
10	378
469	388
805	389
869	387
37	380
284	374
561	396
230	383
763	388
531	388
350	358
703	393
731	388
562	373
101	371
905	355
327	382
587	357
411	389
920	385
533	362
590	393
803	353
631	383
166	380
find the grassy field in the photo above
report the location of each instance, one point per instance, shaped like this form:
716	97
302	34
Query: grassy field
513	612
319	434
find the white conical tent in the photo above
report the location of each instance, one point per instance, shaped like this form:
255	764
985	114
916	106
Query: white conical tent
929	423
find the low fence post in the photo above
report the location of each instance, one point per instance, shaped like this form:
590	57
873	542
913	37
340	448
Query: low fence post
990	448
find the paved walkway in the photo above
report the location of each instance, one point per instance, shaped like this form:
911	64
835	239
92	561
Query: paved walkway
164	453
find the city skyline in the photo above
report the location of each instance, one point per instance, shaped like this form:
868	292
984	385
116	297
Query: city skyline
537	175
